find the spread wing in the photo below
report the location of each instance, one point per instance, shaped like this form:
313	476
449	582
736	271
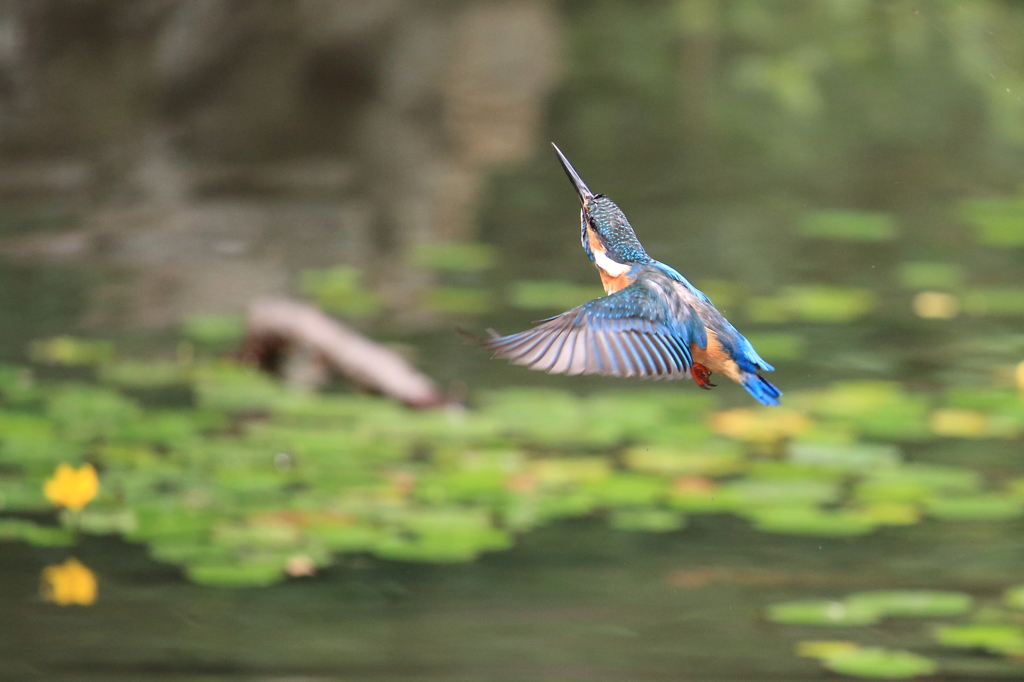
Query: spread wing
643	330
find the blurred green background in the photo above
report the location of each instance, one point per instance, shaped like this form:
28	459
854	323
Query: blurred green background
843	178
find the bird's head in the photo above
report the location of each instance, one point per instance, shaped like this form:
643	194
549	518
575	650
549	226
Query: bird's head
607	236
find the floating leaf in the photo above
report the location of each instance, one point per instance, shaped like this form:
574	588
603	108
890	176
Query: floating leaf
916	482
890	513
34	534
551	294
771	492
759	425
797	520
454	256
68	350
214	330
988	507
996	639
83	413
442	535
1014	597
250	573
648	519
996	301
142	374
779	346
820	303
627	489
959	422
459	300
663	459
912	603
878	663
822	612
340	290
928	275
824	648
855	457
998	222
877	408
860	226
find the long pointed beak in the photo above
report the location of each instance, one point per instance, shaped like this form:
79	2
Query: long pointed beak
574	177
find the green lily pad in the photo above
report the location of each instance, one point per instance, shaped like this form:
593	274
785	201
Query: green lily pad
68	350
340	290
779	346
917	482
99	521
775	492
343	537
253	573
454	256
998	222
1014	597
648	519
931	275
912	603
822	612
820	303
232	388
143	374
809	521
667	460
994	638
854	457
441	536
858	226
83	413
34	534
995	301
551	295
627	490
879	663
459	300
214	330
988	507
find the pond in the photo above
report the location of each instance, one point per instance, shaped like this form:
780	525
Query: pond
843	183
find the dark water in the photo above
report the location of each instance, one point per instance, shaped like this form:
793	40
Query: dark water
722	169
577	601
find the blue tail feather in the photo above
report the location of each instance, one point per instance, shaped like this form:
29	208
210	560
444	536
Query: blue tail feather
760	388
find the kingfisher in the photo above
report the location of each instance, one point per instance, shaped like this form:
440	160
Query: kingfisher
652	323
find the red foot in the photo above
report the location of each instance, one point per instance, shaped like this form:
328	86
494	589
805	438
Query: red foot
701	376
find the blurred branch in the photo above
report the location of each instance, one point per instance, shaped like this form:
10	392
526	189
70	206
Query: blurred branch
342	348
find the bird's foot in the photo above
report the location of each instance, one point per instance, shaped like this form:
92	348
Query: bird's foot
702	376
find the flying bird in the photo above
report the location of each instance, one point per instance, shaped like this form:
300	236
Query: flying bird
651	324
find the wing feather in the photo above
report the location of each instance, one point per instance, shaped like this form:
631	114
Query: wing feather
644	329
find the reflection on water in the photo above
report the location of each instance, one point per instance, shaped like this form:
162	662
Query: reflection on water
841	180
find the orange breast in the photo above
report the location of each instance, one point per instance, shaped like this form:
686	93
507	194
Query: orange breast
715	358
613	284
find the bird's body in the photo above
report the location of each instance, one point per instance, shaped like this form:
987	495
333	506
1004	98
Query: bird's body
651	324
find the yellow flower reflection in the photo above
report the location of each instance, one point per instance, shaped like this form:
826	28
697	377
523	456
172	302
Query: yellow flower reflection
72	488
68	583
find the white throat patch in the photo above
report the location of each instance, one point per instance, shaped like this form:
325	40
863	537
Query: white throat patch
609	266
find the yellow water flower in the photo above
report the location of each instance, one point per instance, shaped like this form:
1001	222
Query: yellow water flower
72	488
68	583
825	648
759	425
